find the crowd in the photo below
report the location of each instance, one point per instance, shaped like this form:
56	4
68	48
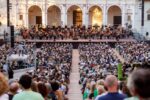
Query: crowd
96	62
97	67
98	73
50	78
9	56
134	52
30	87
105	32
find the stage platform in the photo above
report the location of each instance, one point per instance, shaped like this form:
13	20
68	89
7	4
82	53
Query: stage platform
75	41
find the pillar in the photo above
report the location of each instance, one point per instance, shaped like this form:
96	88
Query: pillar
16	12
133	17
63	16
87	19
84	20
26	16
105	15
44	18
44	14
123	16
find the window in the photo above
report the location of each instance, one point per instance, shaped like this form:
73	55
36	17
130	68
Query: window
148	17
129	18
20	17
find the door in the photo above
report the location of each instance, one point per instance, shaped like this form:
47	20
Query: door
77	18
39	20
117	20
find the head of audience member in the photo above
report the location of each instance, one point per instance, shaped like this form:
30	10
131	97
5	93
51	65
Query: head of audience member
111	83
42	89
13	87
25	81
34	86
55	86
124	89
139	83
3	84
101	90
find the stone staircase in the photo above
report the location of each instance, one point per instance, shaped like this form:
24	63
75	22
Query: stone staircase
74	88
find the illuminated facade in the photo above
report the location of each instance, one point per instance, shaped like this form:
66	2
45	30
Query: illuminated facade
78	12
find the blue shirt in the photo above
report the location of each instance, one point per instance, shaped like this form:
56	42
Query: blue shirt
112	96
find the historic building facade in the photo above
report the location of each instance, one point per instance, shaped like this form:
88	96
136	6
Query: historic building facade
77	12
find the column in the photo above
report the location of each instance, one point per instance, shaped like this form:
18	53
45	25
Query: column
105	15
133	17
123	16
63	16
26	17
16	12
46	19
66	15
44	15
87	19
84	15
43	18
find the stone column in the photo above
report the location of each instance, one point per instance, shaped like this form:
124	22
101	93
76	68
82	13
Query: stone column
15	12
84	20
26	15
104	12
43	18
133	17
63	16
123	16
87	19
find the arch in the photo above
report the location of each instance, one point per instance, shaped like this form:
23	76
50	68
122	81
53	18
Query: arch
53	16
114	15
35	15
78	6
95	15
74	15
95	6
148	11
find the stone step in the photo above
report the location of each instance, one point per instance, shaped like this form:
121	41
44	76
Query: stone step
74	92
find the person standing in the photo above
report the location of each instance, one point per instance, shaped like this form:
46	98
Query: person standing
111	83
27	94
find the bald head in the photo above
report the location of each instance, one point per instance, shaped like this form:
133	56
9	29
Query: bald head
111	81
14	86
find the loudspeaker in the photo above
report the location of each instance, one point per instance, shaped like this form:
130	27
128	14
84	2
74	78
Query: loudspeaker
147	33
12	36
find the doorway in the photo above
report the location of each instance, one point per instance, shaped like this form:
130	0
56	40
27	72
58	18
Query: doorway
39	20
117	20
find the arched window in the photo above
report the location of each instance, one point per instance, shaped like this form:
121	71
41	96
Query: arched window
148	15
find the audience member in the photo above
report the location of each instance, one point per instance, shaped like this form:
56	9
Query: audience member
139	84
25	82
111	84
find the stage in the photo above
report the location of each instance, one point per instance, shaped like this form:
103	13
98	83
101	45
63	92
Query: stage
74	41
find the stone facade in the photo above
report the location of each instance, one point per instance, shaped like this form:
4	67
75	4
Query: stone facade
60	12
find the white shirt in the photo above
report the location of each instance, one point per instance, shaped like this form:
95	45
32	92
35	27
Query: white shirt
4	97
